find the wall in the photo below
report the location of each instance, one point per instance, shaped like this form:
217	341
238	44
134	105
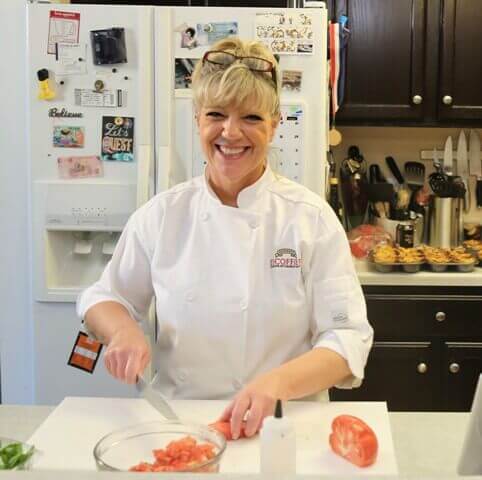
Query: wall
403	144
16	347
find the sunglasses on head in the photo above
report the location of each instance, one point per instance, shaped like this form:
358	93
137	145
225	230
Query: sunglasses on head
225	59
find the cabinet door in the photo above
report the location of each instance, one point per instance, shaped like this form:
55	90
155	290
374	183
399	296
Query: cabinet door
402	374
462	366
460	92
385	61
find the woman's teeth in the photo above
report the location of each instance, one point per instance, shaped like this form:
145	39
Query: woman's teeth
231	151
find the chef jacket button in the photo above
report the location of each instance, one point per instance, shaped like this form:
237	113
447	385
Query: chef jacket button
237	384
182	376
243	305
253	224
204	216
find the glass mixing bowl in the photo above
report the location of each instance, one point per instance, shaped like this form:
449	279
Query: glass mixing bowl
123	449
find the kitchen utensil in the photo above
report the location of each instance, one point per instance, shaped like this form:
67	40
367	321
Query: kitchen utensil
67	436
463	168
404	192
475	164
414	174
122	449
446	225
448	157
380	193
156	398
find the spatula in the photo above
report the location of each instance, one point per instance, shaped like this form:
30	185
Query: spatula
414	175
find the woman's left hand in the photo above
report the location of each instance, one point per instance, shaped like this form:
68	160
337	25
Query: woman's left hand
255	401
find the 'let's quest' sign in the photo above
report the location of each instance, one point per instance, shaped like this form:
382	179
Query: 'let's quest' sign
118	139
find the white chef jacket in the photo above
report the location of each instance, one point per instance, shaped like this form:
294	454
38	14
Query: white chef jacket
238	291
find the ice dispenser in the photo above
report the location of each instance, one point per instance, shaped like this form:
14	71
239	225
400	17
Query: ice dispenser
76	230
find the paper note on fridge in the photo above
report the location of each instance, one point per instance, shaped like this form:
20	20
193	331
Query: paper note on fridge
70	59
80	167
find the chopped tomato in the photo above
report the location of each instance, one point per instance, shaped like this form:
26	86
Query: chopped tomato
225	429
354	440
182	454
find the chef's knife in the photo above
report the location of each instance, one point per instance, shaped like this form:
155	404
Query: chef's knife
475	167
463	168
448	157
156	399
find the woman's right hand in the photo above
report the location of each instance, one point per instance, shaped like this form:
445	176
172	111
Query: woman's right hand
127	354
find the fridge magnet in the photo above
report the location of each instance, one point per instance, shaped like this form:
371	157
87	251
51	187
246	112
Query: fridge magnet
305	47
68	137
45	91
83	97
79	167
63	28
108	46
70	58
188	38
285	33
85	353
118	139
183	71
209	33
291	80
55	112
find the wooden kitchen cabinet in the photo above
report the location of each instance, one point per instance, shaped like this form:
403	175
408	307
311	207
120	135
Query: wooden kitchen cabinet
427	354
412	62
460	92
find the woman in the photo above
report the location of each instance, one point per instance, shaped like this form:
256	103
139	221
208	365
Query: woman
256	294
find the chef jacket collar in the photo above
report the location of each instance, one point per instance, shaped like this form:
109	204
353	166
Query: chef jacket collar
246	197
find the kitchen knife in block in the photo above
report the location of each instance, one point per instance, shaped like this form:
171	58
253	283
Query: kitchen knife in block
156	399
463	168
448	157
475	164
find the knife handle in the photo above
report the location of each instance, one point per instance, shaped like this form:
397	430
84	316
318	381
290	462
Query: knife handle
478	192
395	170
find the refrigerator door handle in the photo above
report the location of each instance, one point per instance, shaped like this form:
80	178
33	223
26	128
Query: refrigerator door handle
143	173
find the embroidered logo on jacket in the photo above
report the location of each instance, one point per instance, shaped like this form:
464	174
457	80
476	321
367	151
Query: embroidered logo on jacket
285	258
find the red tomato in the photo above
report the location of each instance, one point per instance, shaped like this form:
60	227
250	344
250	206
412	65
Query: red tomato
225	429
178	455
354	440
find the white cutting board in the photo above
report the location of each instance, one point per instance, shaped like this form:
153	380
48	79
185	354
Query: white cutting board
67	437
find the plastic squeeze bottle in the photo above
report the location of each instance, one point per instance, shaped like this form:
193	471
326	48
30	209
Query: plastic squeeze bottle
278	444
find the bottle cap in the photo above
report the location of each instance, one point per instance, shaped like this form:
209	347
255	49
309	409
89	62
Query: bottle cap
278	411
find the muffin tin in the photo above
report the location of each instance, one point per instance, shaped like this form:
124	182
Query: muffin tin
388	267
414	267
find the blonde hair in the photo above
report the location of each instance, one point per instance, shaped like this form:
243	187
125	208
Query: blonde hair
236	85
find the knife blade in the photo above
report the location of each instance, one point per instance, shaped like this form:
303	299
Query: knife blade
156	399
475	166
462	167
448	157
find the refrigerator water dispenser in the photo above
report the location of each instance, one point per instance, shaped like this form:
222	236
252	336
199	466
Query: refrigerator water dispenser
76	229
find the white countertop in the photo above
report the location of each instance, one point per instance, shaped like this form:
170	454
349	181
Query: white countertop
426	444
369	276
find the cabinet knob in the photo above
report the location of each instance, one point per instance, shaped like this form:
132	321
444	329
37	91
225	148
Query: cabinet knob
454	368
447	99
440	316
417	99
422	368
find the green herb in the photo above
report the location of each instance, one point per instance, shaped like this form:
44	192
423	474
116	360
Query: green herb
12	456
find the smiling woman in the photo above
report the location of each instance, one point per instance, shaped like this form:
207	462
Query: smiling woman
256	295
236	97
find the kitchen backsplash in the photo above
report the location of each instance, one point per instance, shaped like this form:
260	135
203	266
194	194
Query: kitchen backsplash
403	144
